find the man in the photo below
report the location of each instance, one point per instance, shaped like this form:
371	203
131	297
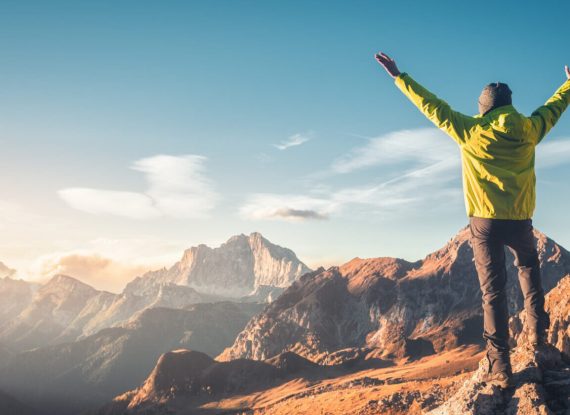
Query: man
497	153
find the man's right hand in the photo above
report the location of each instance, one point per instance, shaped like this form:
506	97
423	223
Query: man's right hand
567	71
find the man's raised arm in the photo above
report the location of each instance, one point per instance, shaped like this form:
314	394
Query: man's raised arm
454	123
544	118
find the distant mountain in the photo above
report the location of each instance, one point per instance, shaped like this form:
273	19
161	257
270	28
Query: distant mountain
53	308
128	304
397	307
96	368
66	309
245	269
237	268
15	296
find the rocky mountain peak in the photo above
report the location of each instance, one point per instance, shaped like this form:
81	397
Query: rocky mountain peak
65	284
234	269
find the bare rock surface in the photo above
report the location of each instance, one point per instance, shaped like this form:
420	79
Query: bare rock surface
540	375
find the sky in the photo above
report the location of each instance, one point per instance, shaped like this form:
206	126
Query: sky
132	130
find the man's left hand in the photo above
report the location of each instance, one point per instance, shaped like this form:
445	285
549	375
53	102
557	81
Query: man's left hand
387	63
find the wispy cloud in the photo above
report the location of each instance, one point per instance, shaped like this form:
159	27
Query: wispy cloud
424	187
553	152
429	173
177	187
425	145
294	140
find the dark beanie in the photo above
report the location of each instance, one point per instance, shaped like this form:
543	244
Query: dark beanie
493	96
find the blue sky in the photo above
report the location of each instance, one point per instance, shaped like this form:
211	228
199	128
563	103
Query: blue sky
131	130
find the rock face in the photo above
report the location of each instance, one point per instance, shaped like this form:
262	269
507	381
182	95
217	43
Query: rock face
541	387
98	367
235	269
400	307
557	305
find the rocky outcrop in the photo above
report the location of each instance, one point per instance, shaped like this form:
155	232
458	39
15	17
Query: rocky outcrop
399	307
557	305
541	387
235	269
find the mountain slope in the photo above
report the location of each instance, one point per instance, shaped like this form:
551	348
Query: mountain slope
398	307
184	379
100	366
235	269
53	308
15	296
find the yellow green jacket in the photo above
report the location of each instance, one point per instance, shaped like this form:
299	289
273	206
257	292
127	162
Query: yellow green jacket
497	149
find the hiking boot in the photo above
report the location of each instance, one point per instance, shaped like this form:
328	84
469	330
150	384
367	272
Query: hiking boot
503	380
500	372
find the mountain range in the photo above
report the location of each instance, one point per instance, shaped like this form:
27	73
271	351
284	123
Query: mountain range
372	336
401	308
409	324
65	345
244	269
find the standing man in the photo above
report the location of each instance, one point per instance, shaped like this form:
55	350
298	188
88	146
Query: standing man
497	153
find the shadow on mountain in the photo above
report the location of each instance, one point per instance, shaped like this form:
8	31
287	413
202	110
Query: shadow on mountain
193	378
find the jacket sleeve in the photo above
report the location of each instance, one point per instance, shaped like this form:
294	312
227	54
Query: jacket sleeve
546	116
454	123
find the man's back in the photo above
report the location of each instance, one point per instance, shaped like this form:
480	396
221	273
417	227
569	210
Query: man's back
497	149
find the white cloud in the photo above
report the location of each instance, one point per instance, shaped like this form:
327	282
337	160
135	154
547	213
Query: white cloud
430	166
93	269
292	208
294	140
107	263
177	187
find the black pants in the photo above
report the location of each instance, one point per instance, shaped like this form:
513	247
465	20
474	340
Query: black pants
488	238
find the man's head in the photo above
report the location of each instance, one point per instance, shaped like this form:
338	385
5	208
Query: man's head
493	96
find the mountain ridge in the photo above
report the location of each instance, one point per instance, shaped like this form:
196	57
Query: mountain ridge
429	305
